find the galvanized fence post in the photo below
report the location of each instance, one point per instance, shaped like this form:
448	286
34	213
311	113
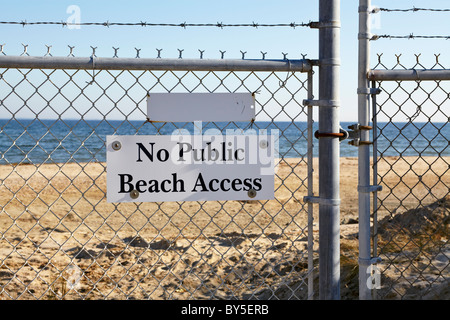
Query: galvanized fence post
363	149
329	201
310	190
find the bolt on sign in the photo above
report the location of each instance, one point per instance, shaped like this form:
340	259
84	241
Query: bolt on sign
149	168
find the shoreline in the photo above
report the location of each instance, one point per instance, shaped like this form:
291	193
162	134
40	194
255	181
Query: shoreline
73	180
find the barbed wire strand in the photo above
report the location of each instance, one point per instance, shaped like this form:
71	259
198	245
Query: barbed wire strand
413	9
410	36
146	24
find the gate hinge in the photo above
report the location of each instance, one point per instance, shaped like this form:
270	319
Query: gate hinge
355	135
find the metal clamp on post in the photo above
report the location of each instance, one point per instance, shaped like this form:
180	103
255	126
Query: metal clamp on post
366	35
369	189
321	103
368	262
327	202
355	135
329	62
368	91
326	24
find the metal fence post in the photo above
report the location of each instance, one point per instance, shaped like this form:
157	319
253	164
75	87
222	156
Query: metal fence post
310	190
363	150
329	202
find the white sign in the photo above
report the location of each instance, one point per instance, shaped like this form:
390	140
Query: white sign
189	107
190	167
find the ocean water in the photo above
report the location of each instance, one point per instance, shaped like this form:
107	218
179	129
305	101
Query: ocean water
57	141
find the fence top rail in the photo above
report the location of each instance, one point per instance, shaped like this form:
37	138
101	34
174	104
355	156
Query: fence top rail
411	74
98	63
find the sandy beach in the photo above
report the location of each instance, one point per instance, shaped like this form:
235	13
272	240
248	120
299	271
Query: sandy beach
60	239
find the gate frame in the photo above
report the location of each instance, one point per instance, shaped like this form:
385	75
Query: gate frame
93	63
329	127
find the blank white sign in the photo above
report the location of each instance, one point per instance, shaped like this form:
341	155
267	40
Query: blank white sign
189	107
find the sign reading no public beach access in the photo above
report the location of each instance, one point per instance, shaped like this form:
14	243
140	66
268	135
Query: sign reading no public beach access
153	168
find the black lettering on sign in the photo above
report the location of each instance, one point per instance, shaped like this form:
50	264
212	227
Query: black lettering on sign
162	155
172	184
237	184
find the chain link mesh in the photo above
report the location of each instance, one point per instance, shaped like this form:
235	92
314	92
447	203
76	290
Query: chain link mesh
60	239
412	164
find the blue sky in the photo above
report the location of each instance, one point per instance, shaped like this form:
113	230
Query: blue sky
274	41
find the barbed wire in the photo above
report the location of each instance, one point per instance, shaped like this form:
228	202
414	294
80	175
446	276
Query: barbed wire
410	36
146	24
413	9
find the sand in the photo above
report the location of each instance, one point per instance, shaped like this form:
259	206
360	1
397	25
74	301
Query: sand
60	239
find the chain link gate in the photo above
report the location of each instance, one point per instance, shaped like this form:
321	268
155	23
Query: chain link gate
61	240
411	117
403	172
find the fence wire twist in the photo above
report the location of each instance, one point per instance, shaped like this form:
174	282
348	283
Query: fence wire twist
412	165
61	240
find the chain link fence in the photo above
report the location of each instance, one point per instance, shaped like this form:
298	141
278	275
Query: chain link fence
412	165
60	239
